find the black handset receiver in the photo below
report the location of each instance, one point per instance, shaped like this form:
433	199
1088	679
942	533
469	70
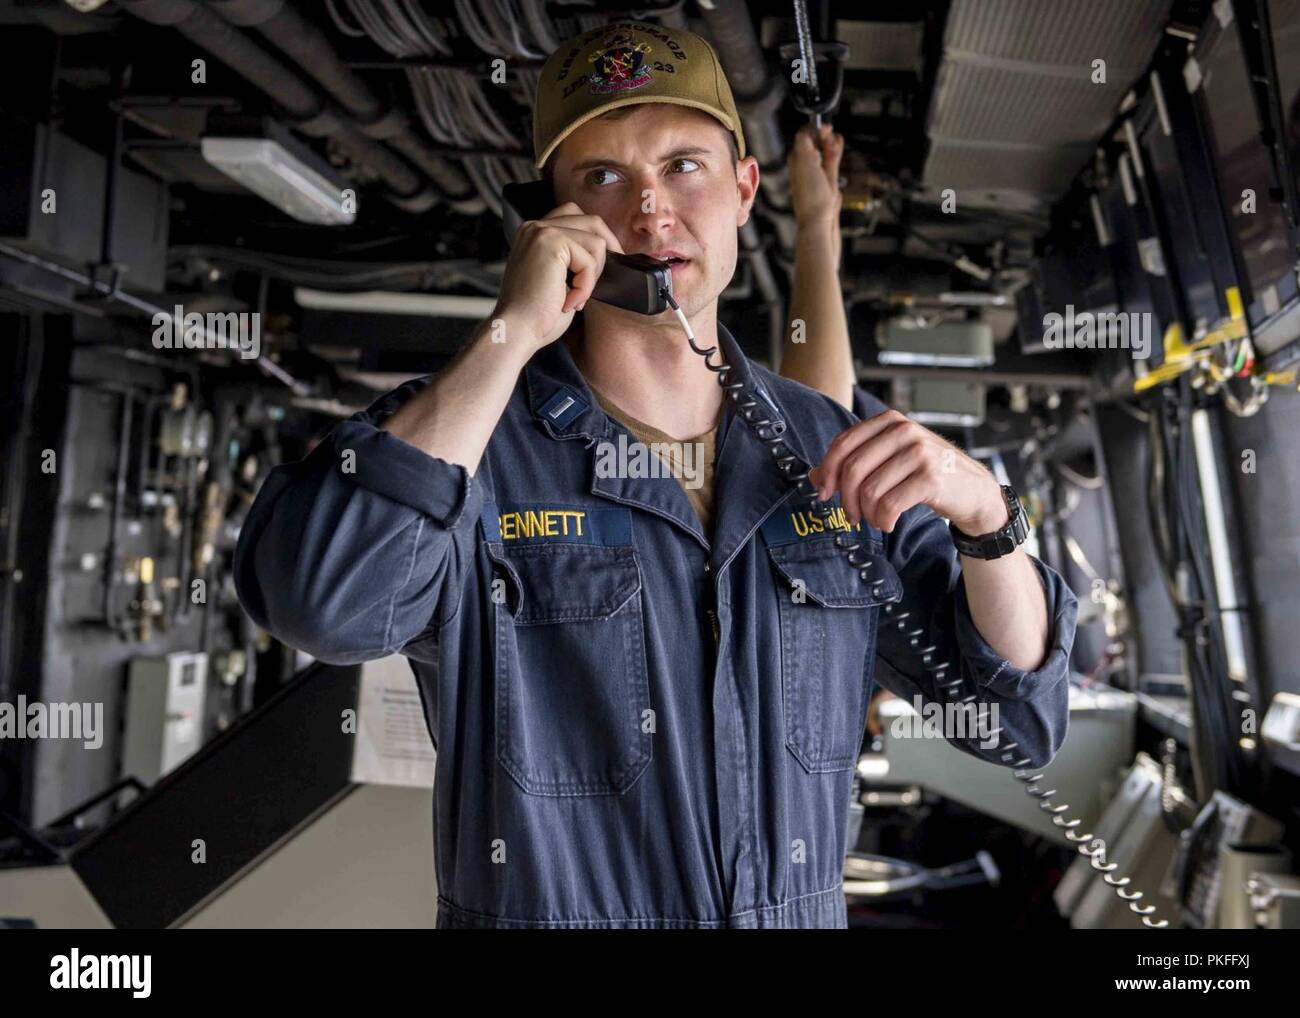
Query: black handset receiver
643	284
635	282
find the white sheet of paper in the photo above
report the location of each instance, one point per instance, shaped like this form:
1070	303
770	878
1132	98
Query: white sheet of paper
392	743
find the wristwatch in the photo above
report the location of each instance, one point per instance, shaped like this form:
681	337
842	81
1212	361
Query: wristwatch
999	542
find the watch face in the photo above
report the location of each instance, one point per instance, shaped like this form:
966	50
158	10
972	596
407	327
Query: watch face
1002	541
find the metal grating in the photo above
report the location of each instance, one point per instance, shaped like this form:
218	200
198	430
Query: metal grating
1062	110
1059	33
1016	113
882	45
1031	173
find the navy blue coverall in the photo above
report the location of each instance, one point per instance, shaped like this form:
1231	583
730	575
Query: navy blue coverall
635	726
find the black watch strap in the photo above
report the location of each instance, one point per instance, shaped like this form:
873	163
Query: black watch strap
1000	542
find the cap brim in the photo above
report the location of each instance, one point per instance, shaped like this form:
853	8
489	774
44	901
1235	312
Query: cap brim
635	100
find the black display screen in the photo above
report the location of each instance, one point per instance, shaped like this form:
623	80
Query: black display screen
1242	159
1204	303
1131	278
1285	18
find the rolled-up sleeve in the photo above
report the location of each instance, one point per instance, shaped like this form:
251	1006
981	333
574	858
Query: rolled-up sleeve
930	646
354	551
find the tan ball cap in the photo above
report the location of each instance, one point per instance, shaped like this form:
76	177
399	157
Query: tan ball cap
622	64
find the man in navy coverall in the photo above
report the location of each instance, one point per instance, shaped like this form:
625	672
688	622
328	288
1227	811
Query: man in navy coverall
647	703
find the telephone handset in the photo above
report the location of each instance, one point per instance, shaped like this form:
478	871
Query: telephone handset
635	282
643	284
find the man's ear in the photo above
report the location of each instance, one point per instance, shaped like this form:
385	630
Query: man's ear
747	187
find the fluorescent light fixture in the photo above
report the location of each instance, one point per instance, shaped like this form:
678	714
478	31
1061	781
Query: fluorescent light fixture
945	420
873	768
383	302
1225	587
946	345
973	298
286	174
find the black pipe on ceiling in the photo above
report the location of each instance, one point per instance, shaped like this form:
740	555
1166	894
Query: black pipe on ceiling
758	94
311	51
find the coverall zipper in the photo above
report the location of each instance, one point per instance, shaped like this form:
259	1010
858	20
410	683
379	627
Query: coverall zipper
713	615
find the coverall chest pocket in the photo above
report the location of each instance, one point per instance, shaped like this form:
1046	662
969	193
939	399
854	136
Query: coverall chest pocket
572	685
828	621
